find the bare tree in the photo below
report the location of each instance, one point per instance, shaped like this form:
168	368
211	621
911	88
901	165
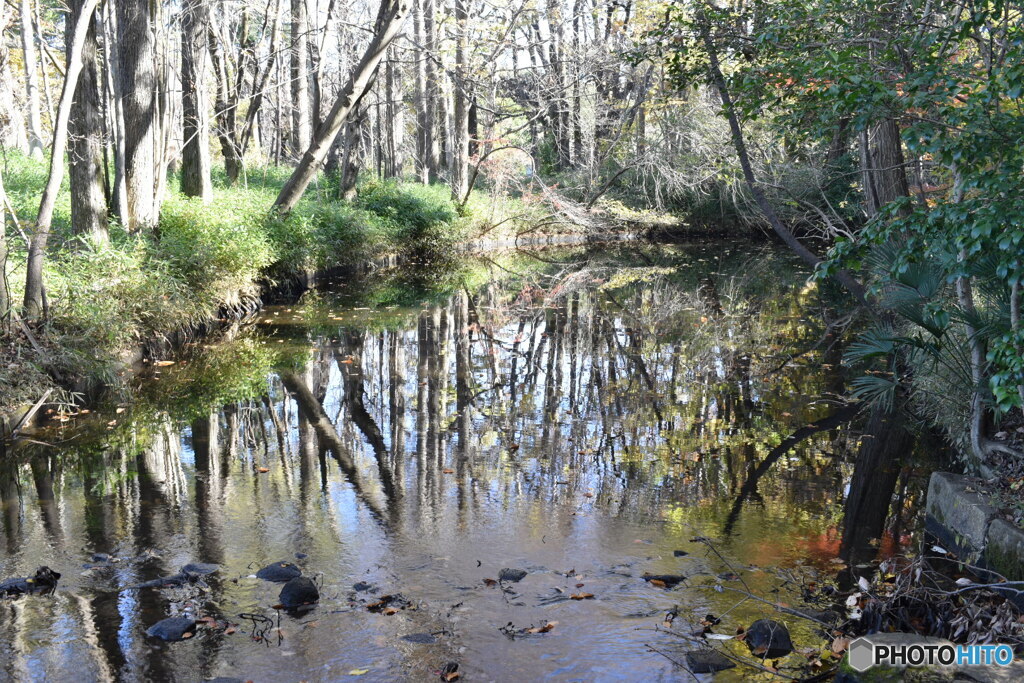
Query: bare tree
85	132
31	64
390	17
195	156
33	302
136	89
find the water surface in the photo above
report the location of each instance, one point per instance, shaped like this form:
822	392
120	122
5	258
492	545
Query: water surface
580	414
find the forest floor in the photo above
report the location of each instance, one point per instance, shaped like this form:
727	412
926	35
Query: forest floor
214	261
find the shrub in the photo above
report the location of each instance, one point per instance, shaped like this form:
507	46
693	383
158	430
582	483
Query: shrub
220	249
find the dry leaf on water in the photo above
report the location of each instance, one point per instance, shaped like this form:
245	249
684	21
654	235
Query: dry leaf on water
264	470
542	629
840	644
581	596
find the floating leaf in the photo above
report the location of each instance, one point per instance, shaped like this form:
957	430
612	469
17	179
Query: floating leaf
358	672
581	596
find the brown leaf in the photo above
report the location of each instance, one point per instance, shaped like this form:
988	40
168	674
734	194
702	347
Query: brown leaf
229	630
581	596
491	583
163	363
390	610
658	582
264	470
454	675
447	470
542	629
187	635
839	645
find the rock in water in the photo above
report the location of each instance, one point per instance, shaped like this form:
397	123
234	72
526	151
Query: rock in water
511	575
200	568
298	592
279	572
707	661
172	629
669	580
44	581
768	639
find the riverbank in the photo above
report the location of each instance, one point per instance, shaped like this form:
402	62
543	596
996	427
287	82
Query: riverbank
210	264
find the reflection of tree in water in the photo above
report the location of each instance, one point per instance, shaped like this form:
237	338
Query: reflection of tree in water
666	387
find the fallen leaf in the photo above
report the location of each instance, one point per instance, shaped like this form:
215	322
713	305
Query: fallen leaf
490	583
358	672
581	596
542	629
864	585
448	471
187	635
840	644
264	470
163	363
390	610
658	582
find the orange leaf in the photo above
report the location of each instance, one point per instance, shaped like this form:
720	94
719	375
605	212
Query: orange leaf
264	470
581	596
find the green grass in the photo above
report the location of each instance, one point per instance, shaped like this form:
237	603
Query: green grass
104	300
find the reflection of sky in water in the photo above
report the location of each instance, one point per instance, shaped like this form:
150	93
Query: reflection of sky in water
506	487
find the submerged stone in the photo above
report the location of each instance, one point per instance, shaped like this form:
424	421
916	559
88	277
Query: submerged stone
172	629
298	592
44	581
512	575
423	638
279	572
200	568
667	579
707	661
768	639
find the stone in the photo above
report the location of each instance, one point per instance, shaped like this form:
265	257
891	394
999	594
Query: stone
768	639
279	572
298	592
707	661
44	581
200	568
422	638
1004	549
172	629
669	580
960	514
511	575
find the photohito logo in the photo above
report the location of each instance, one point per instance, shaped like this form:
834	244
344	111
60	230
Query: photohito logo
865	654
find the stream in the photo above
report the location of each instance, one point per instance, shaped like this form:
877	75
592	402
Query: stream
586	415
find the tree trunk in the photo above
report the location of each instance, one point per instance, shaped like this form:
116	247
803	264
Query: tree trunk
431	91
12	124
424	139
460	109
390	18
884	166
137	91
301	126
30	62
195	153
85	146
5	290
37	249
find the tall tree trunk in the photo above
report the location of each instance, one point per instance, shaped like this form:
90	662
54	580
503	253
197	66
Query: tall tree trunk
431	90
195	153
390	18
30	62
889	173
37	249
137	72
12	123
85	146
5	290
460	109
301	125
424	139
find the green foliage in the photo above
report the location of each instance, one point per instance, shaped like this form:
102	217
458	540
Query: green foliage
419	216
220	248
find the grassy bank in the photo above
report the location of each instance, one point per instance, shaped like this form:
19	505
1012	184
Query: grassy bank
205	259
